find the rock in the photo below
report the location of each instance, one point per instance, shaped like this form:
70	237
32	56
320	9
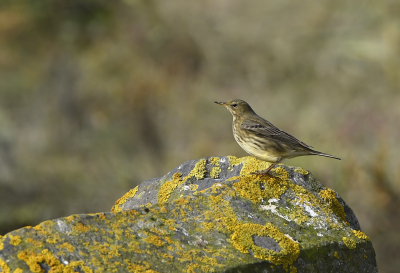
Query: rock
207	215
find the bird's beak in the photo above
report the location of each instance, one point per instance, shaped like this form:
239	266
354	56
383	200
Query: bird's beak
220	103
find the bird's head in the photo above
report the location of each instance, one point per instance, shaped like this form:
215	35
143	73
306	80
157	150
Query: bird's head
237	107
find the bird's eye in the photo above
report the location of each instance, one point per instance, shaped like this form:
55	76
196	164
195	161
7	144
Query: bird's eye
234	105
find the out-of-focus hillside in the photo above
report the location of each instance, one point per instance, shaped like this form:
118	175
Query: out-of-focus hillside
98	96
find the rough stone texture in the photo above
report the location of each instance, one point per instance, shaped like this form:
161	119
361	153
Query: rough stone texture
207	215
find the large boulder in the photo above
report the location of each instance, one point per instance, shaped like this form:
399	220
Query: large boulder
207	215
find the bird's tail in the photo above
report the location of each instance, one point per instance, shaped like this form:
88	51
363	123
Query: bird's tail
323	154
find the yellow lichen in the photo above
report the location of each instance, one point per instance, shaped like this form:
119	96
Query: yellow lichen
292	269
198	171
15	240
242	239
168	187
140	195
154	240
4	267
51	240
81	228
349	243
67	246
33	260
330	197
336	255
301	171
123	199
233	161
214	173
215	161
193	187
361	235
250	187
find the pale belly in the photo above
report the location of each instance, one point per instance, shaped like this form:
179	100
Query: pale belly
257	152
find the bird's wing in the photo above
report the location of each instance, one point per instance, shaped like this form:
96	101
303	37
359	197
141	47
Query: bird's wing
265	128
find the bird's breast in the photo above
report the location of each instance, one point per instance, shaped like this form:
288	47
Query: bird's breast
260	147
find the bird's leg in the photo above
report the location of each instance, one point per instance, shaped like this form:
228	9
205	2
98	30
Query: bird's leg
266	172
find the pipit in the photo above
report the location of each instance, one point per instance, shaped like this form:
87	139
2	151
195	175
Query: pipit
262	139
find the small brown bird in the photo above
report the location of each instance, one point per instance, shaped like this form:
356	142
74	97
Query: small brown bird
262	139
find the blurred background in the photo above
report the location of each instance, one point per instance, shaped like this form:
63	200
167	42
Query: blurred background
97	96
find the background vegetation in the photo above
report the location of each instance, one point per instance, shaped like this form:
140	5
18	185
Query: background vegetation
98	96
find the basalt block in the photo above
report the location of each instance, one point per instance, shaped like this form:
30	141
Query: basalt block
207	215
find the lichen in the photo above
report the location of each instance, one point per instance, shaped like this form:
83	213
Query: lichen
4	267
329	196
350	243
233	161
361	235
14	240
215	161
168	187
198	171
214	173
301	171
336	255
242	239
117	207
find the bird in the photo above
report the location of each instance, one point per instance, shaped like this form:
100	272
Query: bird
261	139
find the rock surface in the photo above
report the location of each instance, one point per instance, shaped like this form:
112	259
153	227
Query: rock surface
207	215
